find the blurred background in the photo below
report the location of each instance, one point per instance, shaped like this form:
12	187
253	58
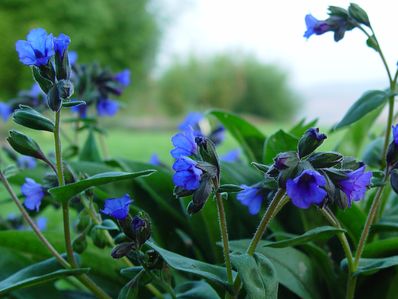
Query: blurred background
247	56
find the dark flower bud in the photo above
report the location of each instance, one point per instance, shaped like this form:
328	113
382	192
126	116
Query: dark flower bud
44	83
65	89
261	167
30	118
181	192
25	145
201	195
54	100
207	150
83	221
358	14
154	260
325	159
121	250
137	229
286	160
79	245
310	141
394	180
392	152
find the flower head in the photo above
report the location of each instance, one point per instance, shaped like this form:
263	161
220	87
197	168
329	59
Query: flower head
34	194
72	55
123	77
187	174
80	109
314	26
191	121
306	189
356	183
5	111
395	133
26	162
117	207
37	49
184	143
251	197
231	156
61	44
107	107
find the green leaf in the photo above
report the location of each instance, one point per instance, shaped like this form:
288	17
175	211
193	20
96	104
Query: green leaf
69	104
381	248
30	118
277	143
249	137
318	233
294	269
370	266
196	290
373	152
38	273
107	224
178	262
130	290
90	151
68	191
368	102
352	220
258	275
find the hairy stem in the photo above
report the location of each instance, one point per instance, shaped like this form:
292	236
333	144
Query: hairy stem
224	237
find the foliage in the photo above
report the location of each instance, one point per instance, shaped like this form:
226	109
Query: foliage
242	85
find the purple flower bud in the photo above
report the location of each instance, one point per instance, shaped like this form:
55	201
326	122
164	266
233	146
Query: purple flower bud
187	175
252	198
34	194
61	44
184	143
306	189
26	162
138	223
37	49
395	134
123	77
355	185
117	207
107	107
5	111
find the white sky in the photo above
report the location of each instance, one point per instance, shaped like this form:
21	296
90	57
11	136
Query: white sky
273	31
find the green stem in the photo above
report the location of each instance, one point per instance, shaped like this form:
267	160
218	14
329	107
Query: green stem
224	237
84	279
269	213
351	282
65	213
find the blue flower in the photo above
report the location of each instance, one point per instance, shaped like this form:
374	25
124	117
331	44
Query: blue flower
117	207
41	223
61	44
123	77
395	134
191	120
35	91
231	156
315	26
72	55
37	49
187	175
306	189
107	107
5	111
80	109
184	143
154	160
34	194
251	197
356	184
26	162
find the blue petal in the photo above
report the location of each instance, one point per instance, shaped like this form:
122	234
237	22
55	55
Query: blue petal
25	52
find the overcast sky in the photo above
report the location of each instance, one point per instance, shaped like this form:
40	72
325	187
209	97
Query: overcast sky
273	30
